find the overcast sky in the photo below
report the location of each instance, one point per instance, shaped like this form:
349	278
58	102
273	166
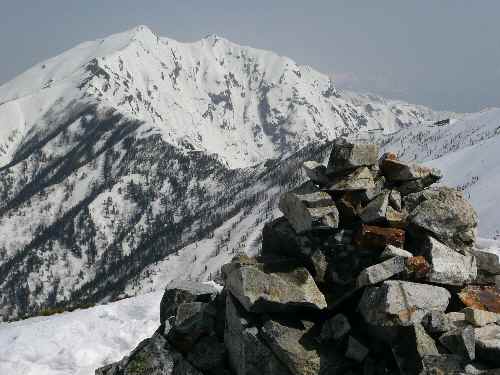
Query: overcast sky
444	54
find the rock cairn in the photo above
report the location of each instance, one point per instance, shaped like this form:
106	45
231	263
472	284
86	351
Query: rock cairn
371	270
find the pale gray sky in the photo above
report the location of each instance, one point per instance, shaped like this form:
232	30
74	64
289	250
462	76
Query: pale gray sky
444	54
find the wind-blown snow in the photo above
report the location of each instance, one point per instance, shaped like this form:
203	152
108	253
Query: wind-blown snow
78	342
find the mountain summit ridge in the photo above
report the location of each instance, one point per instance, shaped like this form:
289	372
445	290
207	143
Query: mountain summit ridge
129	149
212	95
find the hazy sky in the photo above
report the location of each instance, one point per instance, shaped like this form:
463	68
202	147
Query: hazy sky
441	53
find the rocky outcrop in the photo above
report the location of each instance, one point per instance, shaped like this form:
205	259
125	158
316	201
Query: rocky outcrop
370	271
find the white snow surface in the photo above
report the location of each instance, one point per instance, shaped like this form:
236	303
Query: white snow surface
78	342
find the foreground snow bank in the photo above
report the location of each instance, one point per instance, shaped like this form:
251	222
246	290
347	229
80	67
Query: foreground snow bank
78	342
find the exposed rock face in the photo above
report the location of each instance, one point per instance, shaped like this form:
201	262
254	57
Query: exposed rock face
448	267
401	302
286	287
360	179
446	215
153	356
362	275
179	292
346	155
248	355
307	207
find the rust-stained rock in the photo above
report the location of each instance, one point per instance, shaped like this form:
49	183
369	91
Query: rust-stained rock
481	297
417	267
377	238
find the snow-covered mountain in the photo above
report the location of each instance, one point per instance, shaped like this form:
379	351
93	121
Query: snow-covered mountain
123	152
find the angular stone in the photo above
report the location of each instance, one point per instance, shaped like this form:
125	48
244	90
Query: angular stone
443	364
448	266
316	172
414	186
181	291
275	288
437	322
399	171
248	355
296	346
460	341
359	179
446	216
346	155
307	207
370	194
335	328
395	200
481	297
193	320
488	344
480	318
411	347
153	356
375	211
381	271
488	260
396	219
377	238
397	303
393	251
355	350
208	354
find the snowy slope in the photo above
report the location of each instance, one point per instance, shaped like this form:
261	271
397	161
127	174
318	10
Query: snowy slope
77	342
468	152
123	151
244	104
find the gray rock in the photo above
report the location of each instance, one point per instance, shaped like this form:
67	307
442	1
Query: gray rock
359	179
443	364
399	171
480	318
488	260
335	328
437	322
316	172
395	200
261	288
446	215
248	355
411	347
488	344
181	291
397	303
460	341
193	320
295	344
208	354
370	194
346	155
448	266
393	251
381	271
153	356
375	211
396	219
307	207
355	350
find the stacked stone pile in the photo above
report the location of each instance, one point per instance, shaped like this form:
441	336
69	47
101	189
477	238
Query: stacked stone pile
371	270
